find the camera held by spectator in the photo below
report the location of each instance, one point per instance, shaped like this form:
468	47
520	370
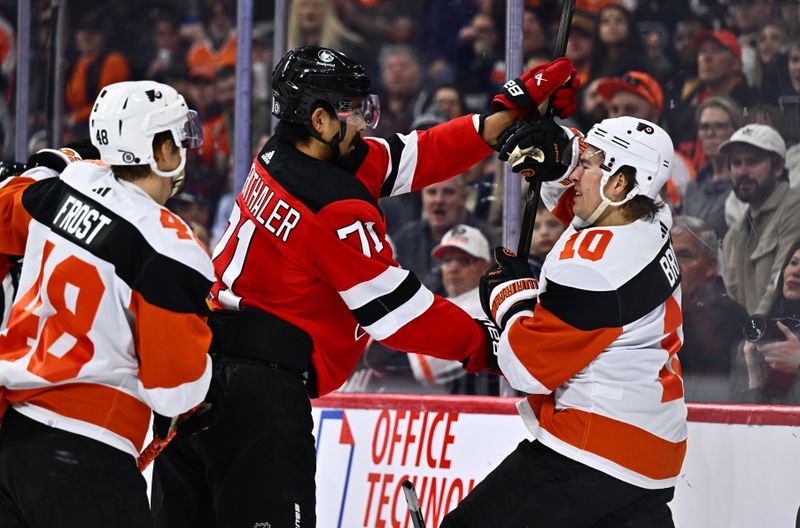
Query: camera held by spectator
762	329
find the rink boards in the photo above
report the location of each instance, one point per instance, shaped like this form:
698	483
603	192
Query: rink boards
742	467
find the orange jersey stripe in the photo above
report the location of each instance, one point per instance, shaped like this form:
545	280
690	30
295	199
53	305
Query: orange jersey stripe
565	352
15	218
99	405
624	444
171	346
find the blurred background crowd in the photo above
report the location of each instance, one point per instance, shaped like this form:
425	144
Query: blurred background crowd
722	76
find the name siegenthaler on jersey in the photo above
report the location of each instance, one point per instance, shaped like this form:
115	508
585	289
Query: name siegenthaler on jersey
80	219
257	196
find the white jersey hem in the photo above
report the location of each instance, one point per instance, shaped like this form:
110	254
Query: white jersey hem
584	457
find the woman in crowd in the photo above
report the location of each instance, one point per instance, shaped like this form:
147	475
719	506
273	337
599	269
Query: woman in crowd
772	362
617	45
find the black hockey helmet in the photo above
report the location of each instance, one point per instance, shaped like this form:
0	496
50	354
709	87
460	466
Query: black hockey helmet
309	74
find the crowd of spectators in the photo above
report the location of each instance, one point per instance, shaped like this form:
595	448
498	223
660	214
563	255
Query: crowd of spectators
722	76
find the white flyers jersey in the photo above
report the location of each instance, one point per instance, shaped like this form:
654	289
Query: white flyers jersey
598	356
106	324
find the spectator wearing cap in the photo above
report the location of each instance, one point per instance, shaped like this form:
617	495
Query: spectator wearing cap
95	67
712	322
719	68
464	257
706	196
639	95
755	246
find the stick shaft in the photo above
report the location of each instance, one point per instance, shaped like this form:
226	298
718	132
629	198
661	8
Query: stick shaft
535	188
413	504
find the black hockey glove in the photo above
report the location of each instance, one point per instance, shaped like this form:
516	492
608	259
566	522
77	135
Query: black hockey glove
58	159
536	148
508	288
485	359
193	421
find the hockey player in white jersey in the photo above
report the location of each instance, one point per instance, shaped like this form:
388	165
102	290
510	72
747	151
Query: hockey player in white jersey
594	343
107	325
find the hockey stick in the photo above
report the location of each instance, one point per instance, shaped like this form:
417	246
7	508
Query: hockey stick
535	188
413	504
158	444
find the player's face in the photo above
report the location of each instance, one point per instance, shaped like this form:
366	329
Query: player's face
753	173
697	269
586	176
791	278
461	272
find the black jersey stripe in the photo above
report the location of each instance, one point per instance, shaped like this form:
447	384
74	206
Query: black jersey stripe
379	307
396	147
590	310
161	280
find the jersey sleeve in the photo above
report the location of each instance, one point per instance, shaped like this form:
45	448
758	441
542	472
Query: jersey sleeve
172	338
388	301
13	216
569	328
409	162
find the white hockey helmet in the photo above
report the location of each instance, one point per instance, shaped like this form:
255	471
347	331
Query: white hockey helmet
639	143
127	115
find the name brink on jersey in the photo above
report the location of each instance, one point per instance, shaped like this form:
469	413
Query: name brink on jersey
257	195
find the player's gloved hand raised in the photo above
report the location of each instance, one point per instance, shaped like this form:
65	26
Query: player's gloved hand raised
485	359
524	94
58	159
536	148
508	288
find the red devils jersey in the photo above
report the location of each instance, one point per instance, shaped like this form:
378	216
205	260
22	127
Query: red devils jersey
306	242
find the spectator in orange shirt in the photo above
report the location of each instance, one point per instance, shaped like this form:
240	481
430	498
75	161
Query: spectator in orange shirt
94	68
218	49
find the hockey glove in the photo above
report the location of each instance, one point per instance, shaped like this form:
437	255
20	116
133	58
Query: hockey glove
485	358
524	94
508	288
536	148
58	159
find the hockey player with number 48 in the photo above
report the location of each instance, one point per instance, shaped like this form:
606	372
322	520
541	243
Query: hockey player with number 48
108	324
595	342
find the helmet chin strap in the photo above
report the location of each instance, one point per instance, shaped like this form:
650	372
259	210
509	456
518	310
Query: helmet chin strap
334	143
605	201
175	174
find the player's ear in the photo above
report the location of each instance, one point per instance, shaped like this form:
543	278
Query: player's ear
319	119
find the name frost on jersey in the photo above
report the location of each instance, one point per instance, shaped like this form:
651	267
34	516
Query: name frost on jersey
257	197
80	219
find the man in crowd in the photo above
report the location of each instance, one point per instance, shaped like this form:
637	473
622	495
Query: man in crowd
712	322
754	248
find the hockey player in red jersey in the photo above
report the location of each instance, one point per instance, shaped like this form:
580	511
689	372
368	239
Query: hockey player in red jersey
306	277
108	323
594	343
